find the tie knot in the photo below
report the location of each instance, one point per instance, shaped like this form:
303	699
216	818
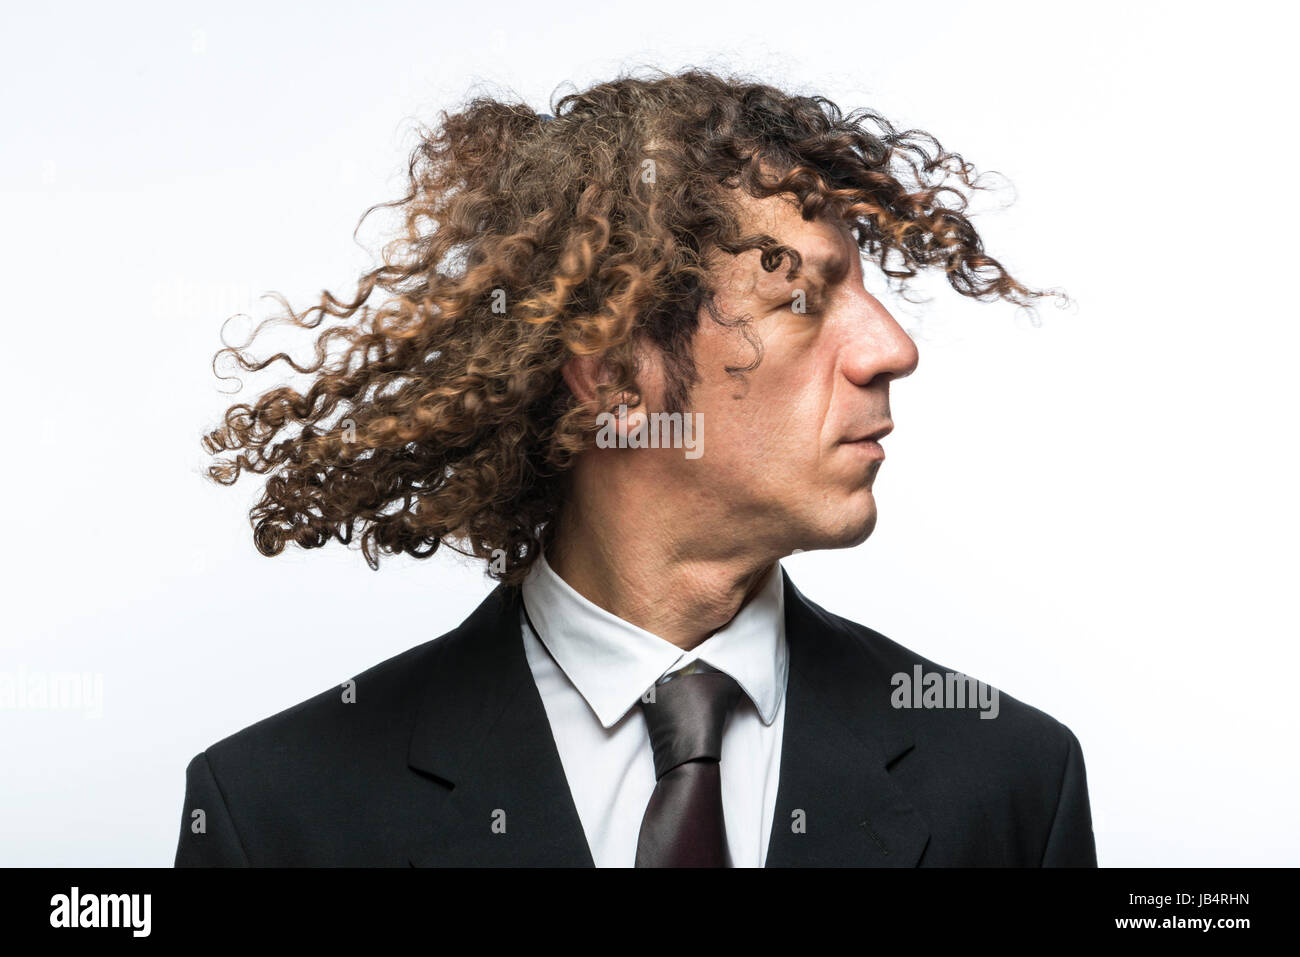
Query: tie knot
686	717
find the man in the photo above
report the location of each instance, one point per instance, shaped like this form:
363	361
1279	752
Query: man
632	367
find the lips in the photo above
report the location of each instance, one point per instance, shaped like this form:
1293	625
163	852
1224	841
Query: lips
875	436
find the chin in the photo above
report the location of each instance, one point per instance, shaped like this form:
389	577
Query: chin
848	527
863	531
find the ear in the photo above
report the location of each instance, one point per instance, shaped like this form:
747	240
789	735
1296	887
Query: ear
585	374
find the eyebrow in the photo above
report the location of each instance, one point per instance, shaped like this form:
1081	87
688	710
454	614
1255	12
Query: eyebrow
817	272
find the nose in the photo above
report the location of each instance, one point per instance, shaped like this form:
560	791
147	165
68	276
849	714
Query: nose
878	348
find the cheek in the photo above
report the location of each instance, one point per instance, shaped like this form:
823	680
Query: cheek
769	435
790	409
776	425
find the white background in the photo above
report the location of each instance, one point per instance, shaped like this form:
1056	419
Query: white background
1096	515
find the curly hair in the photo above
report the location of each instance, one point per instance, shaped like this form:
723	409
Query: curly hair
529	239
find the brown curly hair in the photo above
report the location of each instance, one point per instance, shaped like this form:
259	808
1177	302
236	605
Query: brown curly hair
529	239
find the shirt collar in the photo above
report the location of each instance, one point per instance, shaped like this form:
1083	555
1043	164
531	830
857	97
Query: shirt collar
612	662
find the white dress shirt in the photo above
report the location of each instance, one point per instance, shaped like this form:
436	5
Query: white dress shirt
591	669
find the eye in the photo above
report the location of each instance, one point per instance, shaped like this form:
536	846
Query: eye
804	304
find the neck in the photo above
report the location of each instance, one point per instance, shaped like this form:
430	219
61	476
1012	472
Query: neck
672	582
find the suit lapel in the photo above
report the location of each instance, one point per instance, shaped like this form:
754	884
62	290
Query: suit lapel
836	803
498	795
484	732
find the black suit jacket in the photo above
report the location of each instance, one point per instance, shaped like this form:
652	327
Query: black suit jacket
451	736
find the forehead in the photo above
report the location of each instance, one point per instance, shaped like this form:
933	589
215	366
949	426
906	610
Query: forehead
825	244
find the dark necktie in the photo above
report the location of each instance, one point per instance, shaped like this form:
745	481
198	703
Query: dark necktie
683	824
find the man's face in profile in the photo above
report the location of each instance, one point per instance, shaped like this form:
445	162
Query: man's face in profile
788	462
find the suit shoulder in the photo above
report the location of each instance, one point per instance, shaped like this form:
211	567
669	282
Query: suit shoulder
1015	728
352	715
